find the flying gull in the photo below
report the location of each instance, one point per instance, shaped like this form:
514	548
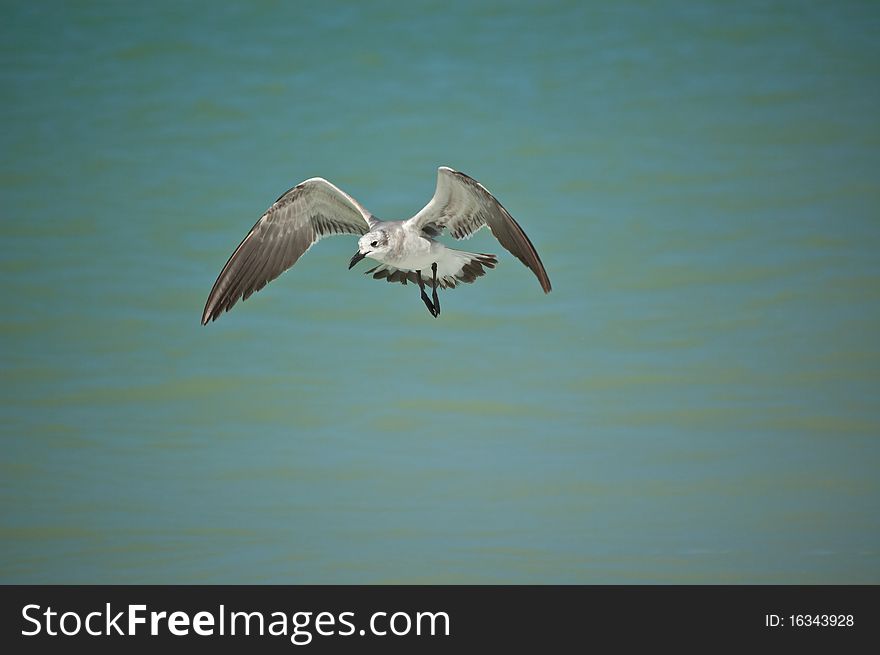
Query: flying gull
406	250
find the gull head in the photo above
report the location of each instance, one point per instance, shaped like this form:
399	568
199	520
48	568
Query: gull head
373	245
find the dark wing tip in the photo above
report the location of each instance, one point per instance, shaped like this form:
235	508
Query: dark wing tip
212	310
545	284
541	273
526	252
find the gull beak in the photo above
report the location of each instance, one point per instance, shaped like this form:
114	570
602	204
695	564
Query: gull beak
355	259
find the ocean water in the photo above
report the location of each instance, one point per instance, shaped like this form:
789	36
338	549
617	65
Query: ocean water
696	401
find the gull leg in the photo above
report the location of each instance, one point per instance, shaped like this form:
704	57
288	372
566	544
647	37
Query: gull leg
425	298
434	292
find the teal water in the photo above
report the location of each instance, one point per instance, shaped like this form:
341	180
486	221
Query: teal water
696	401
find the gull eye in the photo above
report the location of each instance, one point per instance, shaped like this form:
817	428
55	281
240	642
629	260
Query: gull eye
373	244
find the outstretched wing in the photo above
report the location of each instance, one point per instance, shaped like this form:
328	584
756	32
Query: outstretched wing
309	211
462	205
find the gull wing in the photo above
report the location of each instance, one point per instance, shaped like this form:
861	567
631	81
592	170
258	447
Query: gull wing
297	220
463	206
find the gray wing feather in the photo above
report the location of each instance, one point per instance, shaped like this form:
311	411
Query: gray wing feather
297	220
463	206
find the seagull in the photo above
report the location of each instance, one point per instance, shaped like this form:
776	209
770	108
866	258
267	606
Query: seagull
407	251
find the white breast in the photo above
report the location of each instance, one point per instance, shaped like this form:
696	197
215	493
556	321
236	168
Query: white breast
416	253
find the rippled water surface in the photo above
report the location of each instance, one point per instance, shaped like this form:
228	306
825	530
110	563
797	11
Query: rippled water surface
696	401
